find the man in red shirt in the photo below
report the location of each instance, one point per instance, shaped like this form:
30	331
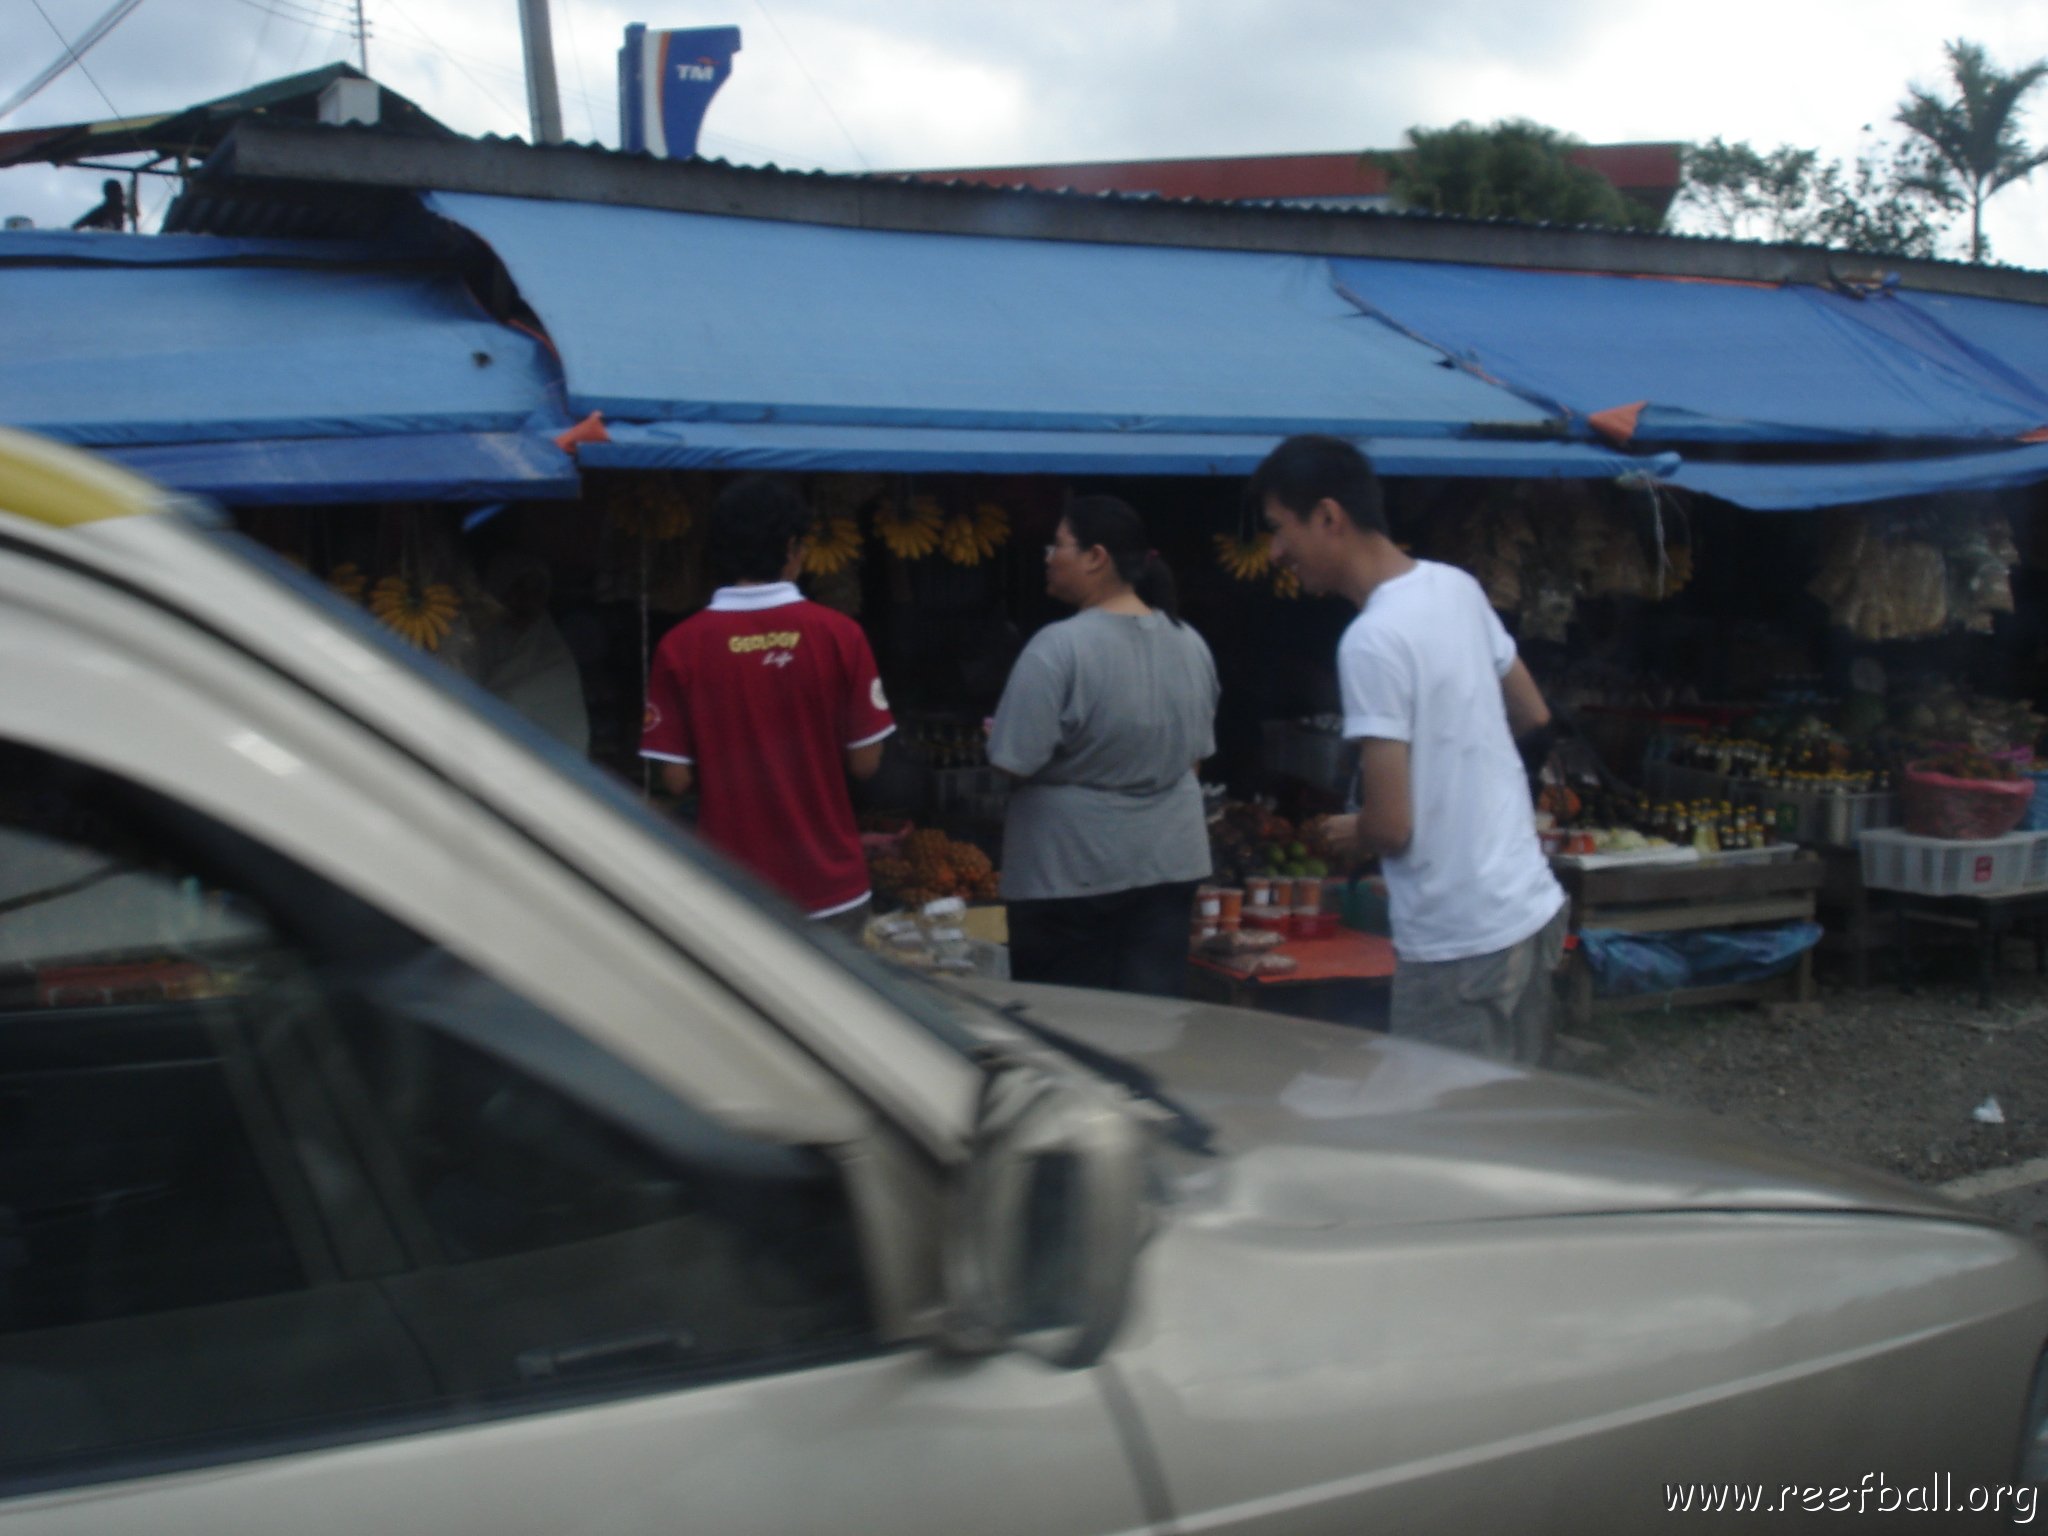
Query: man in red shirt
767	703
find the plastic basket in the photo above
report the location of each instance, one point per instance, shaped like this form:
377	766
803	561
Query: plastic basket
1828	818
1944	866
1937	805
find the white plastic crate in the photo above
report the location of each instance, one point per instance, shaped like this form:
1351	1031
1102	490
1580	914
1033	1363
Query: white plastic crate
1943	866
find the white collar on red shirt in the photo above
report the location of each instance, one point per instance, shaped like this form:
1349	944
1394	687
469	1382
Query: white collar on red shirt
770	594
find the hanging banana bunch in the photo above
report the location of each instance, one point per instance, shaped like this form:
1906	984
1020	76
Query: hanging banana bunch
422	617
910	532
968	538
348	581
834	547
1245	559
991	526
651	506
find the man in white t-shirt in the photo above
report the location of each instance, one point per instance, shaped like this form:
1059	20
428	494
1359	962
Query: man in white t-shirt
1435	697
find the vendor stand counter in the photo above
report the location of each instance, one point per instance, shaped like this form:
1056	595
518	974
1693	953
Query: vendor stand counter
1677	898
1340	964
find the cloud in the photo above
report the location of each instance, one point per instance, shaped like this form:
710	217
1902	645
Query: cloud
930	83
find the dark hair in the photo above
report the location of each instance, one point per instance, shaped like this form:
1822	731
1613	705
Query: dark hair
1112	523
752	523
1310	468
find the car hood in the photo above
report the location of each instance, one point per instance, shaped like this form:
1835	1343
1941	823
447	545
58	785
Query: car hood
1322	1124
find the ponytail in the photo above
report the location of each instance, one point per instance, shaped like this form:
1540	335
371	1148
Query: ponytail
1111	523
1154	585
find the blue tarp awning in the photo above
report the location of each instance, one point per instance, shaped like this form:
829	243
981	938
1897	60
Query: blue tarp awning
274	370
425	466
695	317
800	447
1801	487
1714	362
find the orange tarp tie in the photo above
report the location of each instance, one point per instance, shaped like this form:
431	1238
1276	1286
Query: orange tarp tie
589	430
1618	422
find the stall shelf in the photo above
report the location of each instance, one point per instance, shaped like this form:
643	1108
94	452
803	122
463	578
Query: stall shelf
1683	897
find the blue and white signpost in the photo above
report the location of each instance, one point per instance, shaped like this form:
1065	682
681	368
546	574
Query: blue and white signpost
666	82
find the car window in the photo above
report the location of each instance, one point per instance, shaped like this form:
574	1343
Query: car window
945	1017
275	1170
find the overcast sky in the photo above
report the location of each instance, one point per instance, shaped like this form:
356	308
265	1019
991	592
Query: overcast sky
852	84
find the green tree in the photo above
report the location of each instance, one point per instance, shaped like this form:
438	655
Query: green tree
1895	201
1512	170
1975	135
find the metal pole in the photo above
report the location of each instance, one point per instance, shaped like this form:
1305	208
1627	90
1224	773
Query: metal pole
362	40
543	99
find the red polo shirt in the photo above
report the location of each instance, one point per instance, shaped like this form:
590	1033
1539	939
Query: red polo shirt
762	694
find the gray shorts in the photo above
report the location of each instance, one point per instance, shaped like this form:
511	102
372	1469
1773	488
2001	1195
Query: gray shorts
1499	1004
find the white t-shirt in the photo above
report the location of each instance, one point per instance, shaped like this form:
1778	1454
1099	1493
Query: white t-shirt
1422	663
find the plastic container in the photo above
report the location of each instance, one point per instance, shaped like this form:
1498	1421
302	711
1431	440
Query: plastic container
1231	900
1269	919
1312	923
1939	805
1827	818
1946	866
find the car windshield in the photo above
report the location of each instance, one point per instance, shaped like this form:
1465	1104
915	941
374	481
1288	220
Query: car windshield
948	1016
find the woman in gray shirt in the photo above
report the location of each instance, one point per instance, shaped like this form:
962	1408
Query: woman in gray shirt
1103	721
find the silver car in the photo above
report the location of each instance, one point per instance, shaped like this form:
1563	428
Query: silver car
402	1130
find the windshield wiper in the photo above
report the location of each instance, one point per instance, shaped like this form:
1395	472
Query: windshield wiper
1184	1128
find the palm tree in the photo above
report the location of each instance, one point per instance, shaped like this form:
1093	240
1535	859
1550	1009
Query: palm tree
1976	136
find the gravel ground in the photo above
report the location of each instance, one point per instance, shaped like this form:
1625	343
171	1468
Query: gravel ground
1884	1078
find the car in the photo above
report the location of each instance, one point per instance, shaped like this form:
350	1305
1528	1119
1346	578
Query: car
404	1129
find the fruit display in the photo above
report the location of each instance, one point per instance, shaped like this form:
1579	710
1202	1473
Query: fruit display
1252	560
834	545
968	538
1247	838
910	531
1916	573
423	616
922	865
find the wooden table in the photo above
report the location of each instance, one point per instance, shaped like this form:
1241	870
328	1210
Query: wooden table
1992	918
1673	898
1347	958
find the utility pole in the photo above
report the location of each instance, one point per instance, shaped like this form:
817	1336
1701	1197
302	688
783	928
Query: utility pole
362	40
543	98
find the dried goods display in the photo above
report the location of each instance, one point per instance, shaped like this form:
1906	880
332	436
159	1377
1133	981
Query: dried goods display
922	864
1537	554
1918	572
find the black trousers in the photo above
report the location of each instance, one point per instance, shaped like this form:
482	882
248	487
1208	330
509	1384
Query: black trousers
1127	941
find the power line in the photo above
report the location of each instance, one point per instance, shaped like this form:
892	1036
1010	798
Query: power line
336	26
761	6
576	58
435	44
74	54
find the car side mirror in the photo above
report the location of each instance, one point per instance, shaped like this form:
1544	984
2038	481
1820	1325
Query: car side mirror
1046	1220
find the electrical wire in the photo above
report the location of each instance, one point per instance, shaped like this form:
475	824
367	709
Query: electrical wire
576	58
825	101
76	55
339	30
435	43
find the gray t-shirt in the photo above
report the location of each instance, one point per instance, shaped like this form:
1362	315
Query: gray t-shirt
1103	720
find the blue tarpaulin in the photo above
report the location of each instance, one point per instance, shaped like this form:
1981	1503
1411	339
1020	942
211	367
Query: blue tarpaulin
274	371
694	317
1800	487
426	466
1709	362
938	450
